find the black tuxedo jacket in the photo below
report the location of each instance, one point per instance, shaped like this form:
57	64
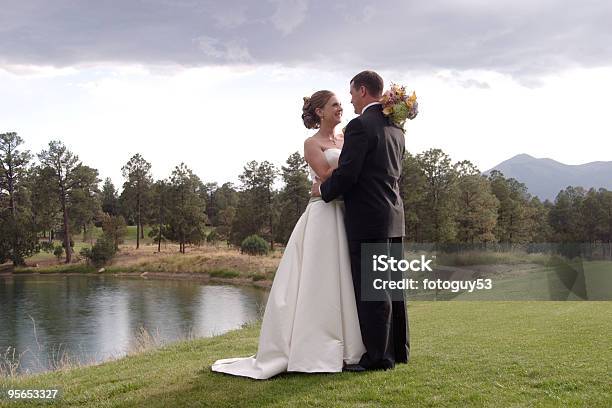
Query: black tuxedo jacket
368	173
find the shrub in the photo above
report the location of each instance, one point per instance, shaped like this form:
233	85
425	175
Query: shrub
223	273
102	252
254	245
85	252
47	246
114	227
58	251
212	237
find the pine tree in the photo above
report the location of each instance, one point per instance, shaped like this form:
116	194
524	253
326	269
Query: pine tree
477	206
412	188
226	200
187	217
17	229
255	210
513	217
541	232
161	201
605	199
65	167
440	195
210	191
109	198
565	218
294	196
84	200
46	208
137	172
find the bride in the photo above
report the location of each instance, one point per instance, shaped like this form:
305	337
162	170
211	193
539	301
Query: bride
310	323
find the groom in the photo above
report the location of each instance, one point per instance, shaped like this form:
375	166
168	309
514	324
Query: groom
367	177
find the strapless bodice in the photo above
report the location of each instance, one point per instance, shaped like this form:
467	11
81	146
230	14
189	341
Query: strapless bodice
331	155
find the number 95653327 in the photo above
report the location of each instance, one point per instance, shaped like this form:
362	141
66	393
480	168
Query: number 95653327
31	394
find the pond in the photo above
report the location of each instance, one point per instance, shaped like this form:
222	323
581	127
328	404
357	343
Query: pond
48	320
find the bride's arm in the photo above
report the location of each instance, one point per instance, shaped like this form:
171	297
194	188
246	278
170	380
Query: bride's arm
315	157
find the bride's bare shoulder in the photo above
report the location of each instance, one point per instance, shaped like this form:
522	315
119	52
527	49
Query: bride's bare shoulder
312	149
311	143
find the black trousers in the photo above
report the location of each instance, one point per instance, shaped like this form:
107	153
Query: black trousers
384	324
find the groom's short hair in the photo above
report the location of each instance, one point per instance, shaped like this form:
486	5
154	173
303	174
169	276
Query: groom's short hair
371	80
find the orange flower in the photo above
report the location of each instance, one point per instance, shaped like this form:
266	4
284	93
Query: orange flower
388	110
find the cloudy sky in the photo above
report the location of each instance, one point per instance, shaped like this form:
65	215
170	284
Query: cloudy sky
215	84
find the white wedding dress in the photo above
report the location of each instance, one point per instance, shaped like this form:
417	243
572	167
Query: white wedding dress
310	323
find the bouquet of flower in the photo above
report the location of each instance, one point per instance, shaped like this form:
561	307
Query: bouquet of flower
398	105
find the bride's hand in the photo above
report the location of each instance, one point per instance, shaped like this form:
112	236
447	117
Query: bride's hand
315	189
316	159
325	175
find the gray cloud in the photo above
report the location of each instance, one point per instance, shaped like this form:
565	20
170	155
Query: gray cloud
289	14
473	83
230	51
523	38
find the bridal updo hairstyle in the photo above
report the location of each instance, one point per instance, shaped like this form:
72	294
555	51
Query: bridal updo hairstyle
318	100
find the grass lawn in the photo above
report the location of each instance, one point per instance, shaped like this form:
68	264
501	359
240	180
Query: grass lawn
592	280
131	234
463	354
47	259
129	237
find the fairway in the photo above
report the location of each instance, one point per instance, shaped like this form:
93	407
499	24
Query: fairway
580	280
462	354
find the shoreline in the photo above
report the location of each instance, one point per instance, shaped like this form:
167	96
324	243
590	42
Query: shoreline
462	350
203	264
201	277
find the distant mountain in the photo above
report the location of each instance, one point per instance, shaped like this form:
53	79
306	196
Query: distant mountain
546	177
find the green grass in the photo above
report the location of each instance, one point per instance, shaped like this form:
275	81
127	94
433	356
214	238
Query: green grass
490	258
258	277
96	232
501	354
61	268
131	234
547	283
170	263
83	268
45	256
130	237
224	273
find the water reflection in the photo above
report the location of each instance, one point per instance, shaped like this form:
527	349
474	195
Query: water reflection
93	318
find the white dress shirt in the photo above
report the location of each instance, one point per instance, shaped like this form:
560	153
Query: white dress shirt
368	105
